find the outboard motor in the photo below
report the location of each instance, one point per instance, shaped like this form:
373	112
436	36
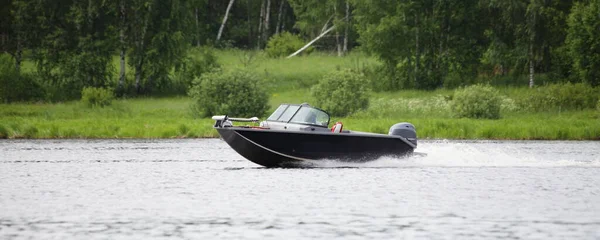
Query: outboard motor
405	130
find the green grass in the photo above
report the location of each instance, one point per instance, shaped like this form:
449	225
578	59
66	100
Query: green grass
171	118
583	125
282	74
135	118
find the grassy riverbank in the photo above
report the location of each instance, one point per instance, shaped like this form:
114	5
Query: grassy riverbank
288	81
171	118
134	118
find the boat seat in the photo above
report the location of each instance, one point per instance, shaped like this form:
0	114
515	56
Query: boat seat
337	127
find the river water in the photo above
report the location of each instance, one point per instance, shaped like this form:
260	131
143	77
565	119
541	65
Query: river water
201	189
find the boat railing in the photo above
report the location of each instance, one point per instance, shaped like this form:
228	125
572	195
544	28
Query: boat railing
224	120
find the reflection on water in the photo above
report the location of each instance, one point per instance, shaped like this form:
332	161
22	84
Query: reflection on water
64	189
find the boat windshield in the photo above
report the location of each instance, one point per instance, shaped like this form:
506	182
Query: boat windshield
278	112
301	114
312	116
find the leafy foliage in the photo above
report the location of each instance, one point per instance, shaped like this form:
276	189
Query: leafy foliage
342	92
583	40
420	42
197	62
562	97
477	101
284	44
97	97
82	70
15	86
236	93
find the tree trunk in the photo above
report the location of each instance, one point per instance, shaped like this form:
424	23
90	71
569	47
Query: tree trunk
149	84
345	50
141	53
224	20
18	55
249	23
532	55
417	53
311	42
531	67
279	16
260	25
283	15
138	78
123	49
120	88
18	60
197	29
267	21
338	45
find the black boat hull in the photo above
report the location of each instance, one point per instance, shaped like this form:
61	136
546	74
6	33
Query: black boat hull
272	148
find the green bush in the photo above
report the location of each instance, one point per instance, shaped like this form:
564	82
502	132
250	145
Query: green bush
342	92
80	70
284	44
566	96
236	93
197	62
15	86
476	101
97	97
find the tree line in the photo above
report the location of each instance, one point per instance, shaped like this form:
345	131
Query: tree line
423	44
428	44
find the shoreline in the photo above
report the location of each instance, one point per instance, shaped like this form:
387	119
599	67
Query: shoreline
170	118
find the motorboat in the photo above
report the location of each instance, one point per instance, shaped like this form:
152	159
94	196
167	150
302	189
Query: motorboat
298	135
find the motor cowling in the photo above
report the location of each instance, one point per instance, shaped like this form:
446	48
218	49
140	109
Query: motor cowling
406	130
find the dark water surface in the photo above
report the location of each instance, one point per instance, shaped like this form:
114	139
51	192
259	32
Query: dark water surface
201	189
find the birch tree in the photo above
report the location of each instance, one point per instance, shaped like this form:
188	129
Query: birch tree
346	26
139	40
279	15
19	30
224	19
122	47
267	21
260	25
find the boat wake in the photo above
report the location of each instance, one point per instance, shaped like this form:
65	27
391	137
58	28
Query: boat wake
478	154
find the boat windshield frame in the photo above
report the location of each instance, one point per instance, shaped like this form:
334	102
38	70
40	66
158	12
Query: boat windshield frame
293	117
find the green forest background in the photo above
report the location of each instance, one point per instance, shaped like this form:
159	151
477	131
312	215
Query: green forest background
530	50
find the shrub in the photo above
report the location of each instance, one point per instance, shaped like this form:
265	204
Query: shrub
284	44
15	86
234	93
197	62
561	96
82	69
97	97
477	101
342	92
